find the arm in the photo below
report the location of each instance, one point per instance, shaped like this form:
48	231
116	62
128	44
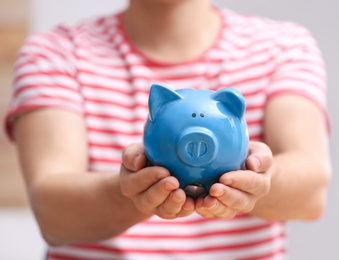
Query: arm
295	130
71	204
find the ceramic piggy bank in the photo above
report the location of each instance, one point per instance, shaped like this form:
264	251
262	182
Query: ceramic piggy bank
198	135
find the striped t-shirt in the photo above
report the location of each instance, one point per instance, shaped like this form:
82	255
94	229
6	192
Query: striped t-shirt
95	70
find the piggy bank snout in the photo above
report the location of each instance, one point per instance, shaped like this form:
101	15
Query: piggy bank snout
196	146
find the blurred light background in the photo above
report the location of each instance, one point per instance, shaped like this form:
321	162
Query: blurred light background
19	235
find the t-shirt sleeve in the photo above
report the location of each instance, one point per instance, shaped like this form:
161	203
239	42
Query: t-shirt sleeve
45	76
299	66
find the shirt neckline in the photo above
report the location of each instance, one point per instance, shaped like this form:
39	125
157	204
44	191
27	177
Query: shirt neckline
151	62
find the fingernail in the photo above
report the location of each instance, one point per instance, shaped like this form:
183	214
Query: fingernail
135	163
218	193
227	181
162	174
256	163
171	185
177	197
185	207
213	205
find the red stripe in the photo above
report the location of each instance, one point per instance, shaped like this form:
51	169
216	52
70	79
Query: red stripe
257	257
25	108
247	245
122	104
43	46
60	256
300	61
159	65
107	145
314	72
121	118
282	79
32	58
45	73
128	91
266	256
293	92
101	160
103	65
200	235
257	137
103	116
115	132
255	122
131	92
128	78
54	97
180	77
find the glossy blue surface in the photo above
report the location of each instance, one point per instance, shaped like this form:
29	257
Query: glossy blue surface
196	134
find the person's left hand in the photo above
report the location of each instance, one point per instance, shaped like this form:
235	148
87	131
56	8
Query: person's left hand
238	191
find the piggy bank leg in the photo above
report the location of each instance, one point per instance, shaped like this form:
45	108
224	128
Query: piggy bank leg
195	191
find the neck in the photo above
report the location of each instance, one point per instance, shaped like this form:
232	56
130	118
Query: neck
171	30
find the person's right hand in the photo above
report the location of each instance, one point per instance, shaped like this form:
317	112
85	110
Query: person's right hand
152	189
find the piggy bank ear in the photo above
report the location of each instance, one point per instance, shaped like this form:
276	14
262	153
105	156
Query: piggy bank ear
160	95
232	99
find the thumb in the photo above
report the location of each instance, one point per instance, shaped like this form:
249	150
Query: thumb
133	157
260	157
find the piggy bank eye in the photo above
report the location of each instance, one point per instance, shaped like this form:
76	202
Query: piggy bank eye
194	115
202	114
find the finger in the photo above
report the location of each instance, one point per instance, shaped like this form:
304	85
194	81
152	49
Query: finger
201	210
133	157
233	198
159	192
188	208
260	157
171	207
213	208
133	183
247	181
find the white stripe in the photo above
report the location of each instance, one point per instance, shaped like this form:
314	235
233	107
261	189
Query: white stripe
84	254
254	114
97	71
116	97
199	243
293	85
104	82
52	93
47	102
302	77
296	66
115	111
37	80
113	124
255	130
104	167
179	226
114	60
118	139
297	55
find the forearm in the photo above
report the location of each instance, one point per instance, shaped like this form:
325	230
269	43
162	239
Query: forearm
298	187
75	208
71	206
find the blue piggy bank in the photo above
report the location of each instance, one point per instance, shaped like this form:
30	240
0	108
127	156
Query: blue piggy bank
198	135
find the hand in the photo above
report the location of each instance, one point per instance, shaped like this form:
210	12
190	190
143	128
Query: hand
238	191
152	189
